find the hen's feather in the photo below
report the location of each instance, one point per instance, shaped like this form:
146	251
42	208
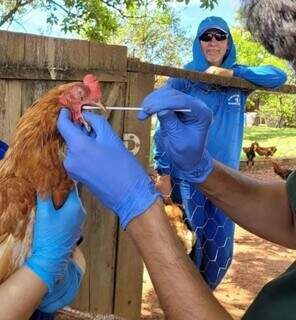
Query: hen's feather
17	211
32	165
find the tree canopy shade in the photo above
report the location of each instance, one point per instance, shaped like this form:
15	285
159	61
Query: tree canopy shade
156	37
95	19
276	109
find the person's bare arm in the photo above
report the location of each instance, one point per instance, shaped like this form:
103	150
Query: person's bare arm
21	294
181	290
260	207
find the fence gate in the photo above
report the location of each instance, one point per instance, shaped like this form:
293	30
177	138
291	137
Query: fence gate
30	65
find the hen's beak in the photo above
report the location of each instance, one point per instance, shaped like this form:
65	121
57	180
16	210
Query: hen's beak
91	106
86	124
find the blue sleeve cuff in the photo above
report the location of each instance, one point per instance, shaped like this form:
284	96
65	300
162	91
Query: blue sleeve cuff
200	173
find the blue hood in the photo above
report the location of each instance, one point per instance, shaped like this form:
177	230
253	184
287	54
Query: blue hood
199	62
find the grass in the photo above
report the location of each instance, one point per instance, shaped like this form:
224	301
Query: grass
283	138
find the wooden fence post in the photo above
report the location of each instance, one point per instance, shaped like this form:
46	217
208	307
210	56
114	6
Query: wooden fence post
129	266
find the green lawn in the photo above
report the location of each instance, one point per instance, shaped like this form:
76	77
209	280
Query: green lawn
284	139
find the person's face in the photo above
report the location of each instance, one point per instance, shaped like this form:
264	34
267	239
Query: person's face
214	48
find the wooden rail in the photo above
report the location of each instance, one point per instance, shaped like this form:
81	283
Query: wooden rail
135	65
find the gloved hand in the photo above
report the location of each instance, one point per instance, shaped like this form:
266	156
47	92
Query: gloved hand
106	167
64	291
54	237
183	134
3	149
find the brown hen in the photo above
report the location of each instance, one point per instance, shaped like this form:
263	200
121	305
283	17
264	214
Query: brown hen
33	165
280	171
174	211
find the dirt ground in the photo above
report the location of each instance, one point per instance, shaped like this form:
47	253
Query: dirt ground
255	262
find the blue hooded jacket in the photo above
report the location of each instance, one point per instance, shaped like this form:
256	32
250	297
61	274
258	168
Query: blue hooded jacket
213	251
227	104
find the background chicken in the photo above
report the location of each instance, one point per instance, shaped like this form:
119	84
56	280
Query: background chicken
250	153
174	211
282	172
186	236
33	165
266	151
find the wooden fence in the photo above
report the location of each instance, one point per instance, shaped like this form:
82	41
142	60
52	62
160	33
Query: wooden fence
29	65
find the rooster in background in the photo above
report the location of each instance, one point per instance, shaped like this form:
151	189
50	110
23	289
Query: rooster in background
33	165
250	153
265	151
282	172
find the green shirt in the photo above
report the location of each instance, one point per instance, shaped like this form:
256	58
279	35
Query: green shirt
277	299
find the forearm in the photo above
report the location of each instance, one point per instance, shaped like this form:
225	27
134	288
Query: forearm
260	207
266	76
181	290
20	295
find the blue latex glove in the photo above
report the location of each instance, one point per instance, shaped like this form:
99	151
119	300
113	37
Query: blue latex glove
54	237
3	149
64	291
106	167
183	134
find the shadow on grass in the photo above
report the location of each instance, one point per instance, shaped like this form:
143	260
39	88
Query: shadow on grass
264	134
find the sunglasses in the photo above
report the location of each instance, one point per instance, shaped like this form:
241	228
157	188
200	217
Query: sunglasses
208	36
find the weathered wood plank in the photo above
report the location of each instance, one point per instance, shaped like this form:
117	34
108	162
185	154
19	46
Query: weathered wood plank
21	72
32	90
10	107
104	232
112	58
99	246
82	300
101	232
35	51
135	65
12	48
76	54
31	57
129	270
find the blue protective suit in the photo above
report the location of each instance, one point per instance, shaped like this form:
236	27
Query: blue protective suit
213	252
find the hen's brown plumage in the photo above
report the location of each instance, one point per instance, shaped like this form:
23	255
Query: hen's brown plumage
32	165
282	172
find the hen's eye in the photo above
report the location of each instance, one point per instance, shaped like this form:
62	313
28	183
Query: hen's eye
79	93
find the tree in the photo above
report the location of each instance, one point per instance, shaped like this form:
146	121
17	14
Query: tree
155	35
276	109
95	19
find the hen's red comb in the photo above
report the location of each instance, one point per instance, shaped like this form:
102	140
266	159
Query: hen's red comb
93	84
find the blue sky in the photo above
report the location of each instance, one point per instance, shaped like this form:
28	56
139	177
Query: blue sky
191	15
